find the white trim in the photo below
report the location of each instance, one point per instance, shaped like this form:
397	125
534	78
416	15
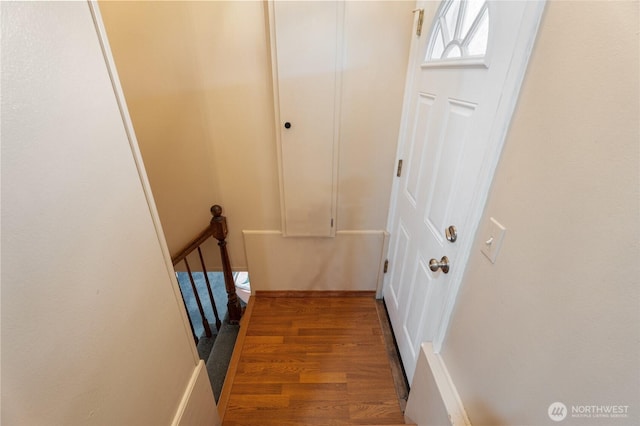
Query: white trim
448	391
137	158
341	51
480	62
195	407
513	82
271	35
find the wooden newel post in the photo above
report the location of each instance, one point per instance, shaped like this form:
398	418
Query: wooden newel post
219	227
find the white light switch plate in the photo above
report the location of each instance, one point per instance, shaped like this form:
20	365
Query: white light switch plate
492	239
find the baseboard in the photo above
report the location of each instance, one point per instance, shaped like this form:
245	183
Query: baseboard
434	399
311	294
197	406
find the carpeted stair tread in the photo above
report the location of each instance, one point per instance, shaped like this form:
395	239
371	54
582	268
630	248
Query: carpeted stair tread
216	350
220	356
205	344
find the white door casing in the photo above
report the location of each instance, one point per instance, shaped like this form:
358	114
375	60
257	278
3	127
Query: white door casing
462	85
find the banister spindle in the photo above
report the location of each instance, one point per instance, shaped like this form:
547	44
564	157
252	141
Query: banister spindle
184	301
213	300
219	227
205	322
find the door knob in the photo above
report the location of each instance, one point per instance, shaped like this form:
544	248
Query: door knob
434	265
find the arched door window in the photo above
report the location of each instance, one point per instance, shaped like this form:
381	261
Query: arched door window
460	31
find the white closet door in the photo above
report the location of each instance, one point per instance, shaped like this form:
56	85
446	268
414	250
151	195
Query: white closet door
306	38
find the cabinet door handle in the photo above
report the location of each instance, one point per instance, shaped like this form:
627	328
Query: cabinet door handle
287	125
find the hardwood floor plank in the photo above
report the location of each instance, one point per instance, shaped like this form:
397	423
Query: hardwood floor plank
268	377
259	401
283	368
324	377
364	339
335	331
288	349
312	361
310	391
259	389
274	358
262	340
375	412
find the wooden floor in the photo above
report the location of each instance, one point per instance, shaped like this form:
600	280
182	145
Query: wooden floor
310	361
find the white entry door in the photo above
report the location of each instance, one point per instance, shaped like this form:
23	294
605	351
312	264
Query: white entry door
462	85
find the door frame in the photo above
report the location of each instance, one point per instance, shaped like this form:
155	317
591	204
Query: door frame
525	41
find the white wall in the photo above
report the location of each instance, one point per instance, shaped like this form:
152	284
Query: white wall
207	61
165	96
222	49
377	36
556	317
93	331
352	261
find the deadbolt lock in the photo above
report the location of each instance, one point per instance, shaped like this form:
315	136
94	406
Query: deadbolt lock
451	233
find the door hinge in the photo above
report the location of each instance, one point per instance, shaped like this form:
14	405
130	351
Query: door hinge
386	266
399	171
420	20
332	222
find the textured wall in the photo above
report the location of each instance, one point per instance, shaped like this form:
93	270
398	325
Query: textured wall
92	329
165	94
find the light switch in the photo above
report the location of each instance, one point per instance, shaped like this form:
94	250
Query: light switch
492	239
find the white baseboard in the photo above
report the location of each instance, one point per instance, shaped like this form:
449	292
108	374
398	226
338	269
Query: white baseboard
434	399
351	261
197	407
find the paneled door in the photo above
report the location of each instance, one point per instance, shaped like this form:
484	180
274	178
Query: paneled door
306	54
463	81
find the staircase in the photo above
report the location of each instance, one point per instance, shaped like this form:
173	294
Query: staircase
214	340
215	350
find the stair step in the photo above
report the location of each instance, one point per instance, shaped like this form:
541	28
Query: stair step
205	344
220	356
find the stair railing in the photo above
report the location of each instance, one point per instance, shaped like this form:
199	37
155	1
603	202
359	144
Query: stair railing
219	225
218	229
